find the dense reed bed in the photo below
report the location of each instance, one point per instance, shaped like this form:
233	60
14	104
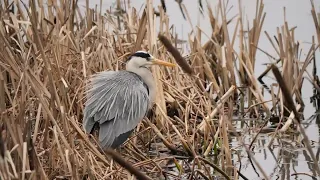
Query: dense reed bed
48	51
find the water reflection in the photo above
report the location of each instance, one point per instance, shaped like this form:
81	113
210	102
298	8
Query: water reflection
286	159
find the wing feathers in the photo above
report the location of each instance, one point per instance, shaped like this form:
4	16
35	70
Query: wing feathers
118	100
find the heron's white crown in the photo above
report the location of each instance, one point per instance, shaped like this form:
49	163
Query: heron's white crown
142	52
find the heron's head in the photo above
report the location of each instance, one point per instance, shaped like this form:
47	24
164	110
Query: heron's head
143	59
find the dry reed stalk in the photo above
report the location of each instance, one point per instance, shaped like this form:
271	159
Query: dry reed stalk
285	92
250	154
215	167
141	32
204	63
98	154
227	57
206	121
225	144
291	107
184	142
165	142
290	120
152	45
126	165
254	88
316	20
175	53
248	51
274	100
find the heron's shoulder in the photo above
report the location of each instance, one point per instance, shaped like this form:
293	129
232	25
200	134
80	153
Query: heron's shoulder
114	74
121	78
121	75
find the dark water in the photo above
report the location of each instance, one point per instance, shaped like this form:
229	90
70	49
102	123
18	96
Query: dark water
286	156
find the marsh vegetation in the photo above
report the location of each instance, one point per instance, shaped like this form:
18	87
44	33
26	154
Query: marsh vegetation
211	114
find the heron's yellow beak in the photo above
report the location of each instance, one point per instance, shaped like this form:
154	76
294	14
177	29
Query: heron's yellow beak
160	62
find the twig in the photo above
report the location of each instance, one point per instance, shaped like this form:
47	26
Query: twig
214	167
115	156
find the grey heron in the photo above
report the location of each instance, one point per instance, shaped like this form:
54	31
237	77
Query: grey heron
117	101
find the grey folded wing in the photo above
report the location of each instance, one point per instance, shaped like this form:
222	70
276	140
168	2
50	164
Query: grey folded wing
118	101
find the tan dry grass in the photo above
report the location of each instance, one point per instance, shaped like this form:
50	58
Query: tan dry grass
47	54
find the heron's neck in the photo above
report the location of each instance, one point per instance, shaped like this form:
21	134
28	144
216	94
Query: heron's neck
146	76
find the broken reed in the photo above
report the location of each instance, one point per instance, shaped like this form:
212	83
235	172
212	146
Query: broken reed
47	54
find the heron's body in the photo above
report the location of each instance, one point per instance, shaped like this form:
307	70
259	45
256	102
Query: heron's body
118	100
